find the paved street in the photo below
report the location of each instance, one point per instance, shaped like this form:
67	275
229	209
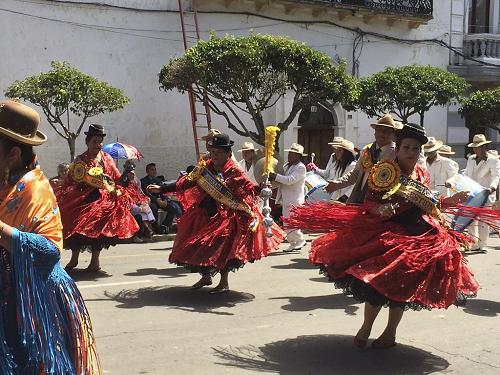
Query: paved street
281	317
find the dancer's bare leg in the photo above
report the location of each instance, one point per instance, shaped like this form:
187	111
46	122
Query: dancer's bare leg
370	314
94	264
388	337
73	262
223	284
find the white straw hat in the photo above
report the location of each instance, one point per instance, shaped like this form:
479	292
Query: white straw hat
346	145
247	146
432	145
445	150
388	121
478	140
296	148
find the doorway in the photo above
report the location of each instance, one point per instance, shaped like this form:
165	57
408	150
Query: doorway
317	129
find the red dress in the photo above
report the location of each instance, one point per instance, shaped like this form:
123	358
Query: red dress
212	237
410	261
94	218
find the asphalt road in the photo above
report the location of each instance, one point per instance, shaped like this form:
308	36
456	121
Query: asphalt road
280	317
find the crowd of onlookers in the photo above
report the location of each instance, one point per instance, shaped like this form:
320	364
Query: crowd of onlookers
156	213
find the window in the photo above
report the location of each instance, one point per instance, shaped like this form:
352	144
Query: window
479	16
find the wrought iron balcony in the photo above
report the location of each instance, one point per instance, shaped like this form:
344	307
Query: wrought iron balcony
413	8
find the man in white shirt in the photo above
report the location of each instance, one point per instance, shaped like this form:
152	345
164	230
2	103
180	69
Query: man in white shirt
248	152
291	191
484	168
382	149
440	168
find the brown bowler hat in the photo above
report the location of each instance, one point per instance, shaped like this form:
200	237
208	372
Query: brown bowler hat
20	123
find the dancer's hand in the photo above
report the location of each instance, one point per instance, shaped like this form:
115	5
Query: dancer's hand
154	188
272	176
386	210
455	199
331	187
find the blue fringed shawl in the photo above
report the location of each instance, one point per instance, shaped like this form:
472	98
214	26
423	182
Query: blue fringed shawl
53	323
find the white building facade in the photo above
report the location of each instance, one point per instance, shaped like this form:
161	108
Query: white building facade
126	42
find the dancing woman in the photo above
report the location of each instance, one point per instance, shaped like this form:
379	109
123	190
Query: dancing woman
44	324
395	249
95	211
221	228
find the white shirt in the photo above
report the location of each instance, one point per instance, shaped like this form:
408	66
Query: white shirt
441	170
330	173
291	186
249	171
485	173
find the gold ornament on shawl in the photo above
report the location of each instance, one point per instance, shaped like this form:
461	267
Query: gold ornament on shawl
384	176
93	176
270	139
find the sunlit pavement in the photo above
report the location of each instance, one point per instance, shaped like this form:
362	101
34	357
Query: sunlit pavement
281	316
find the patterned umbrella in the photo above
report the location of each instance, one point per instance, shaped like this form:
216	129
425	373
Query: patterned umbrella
122	151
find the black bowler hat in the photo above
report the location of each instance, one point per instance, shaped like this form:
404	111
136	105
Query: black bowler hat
220	141
96	129
414	131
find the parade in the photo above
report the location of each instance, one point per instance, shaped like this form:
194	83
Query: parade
275	207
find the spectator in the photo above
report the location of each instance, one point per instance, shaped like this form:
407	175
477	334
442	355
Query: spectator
62	172
484	168
141	210
158	201
249	155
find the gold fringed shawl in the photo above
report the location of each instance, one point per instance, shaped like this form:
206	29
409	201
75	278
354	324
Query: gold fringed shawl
216	188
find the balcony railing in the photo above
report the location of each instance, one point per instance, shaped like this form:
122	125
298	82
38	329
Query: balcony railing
415	8
482	46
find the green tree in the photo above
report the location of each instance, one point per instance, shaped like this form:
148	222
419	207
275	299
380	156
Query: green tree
244	76
482	109
65	91
409	90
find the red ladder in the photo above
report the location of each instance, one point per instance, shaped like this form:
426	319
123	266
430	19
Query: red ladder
198	108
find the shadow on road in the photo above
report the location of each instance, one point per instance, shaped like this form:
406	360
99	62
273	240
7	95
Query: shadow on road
161	248
482	307
321	279
330	301
297	264
329	354
183	298
81	275
165	273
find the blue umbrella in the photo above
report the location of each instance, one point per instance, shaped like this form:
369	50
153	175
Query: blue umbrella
122	151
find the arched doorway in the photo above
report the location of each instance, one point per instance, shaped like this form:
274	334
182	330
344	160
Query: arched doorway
317	128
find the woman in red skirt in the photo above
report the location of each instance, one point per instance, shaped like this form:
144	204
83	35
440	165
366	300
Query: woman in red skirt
221	228
95	211
395	249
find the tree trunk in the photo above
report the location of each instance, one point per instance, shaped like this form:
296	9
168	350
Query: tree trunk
71	143
422	119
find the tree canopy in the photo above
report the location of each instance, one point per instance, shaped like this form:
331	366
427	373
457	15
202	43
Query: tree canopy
482	109
247	75
65	90
409	90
